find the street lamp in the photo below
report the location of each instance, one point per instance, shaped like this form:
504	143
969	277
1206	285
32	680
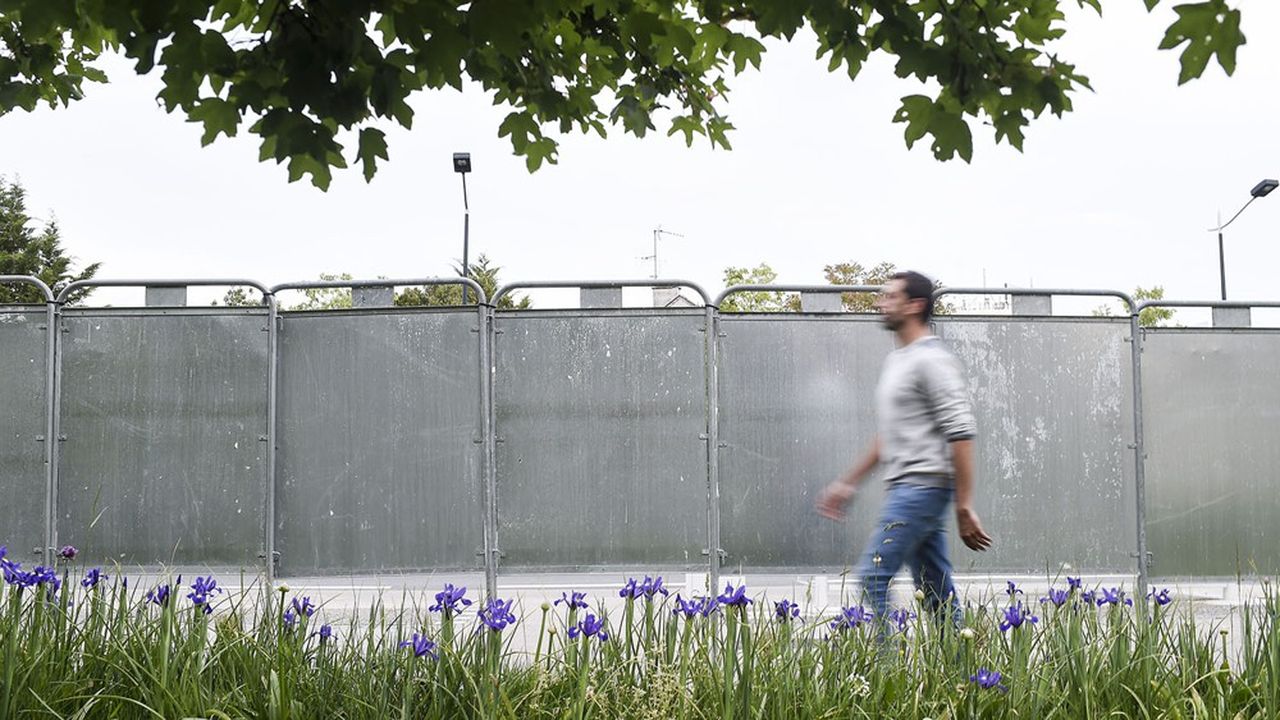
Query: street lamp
462	166
1262	189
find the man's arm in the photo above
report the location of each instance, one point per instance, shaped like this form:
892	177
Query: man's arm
832	500
967	521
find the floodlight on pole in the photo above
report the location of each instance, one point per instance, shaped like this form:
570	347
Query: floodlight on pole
1262	189
462	166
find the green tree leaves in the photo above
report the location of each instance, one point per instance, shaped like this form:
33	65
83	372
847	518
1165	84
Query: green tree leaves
25	250
758	300
373	144
304	76
1207	29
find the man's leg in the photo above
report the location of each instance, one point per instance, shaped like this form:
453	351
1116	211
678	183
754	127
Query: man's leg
931	566
903	520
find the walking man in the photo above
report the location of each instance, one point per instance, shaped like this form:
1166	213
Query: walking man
924	443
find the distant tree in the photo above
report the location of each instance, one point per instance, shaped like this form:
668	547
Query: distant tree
326	298
483	271
24	250
855	273
240	297
1148	317
757	301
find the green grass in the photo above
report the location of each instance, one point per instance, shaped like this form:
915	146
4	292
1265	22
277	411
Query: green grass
109	653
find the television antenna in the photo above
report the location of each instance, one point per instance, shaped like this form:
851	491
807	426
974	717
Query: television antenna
658	233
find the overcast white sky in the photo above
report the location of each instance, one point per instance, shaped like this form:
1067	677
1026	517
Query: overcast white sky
1116	194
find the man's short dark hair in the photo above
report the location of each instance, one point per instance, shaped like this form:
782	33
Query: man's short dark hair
918	287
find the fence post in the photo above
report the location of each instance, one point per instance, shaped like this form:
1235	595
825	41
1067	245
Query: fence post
273	369
712	436
1139	455
488	470
52	359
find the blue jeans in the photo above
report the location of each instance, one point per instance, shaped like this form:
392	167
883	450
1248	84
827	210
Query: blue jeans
913	531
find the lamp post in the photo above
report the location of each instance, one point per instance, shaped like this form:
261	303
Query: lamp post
1262	189
462	166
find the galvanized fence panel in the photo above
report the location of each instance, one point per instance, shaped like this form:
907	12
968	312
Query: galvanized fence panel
795	412
22	425
600	459
379	457
1212	413
163	411
1053	401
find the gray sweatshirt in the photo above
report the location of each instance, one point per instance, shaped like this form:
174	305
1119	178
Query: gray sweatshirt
922	405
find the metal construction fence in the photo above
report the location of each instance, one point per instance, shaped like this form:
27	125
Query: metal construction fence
382	438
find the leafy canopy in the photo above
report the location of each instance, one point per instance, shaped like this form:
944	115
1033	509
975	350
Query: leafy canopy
303	74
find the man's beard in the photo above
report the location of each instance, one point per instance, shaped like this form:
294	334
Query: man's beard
891	323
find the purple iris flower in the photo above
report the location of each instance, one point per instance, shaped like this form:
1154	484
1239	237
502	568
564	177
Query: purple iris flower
1012	590
734	597
630	589
988	680
1074	583
290	619
1015	616
12	570
902	617
68	552
325	633
40	575
447	600
647	588
306	608
589	627
1089	597
1162	598
1113	596
576	600
786	610
161	593
93	577
703	606
422	647
201	589
653	587
497	615
1057	597
851	617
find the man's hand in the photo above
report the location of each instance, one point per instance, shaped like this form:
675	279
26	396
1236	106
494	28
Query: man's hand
971	531
833	498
